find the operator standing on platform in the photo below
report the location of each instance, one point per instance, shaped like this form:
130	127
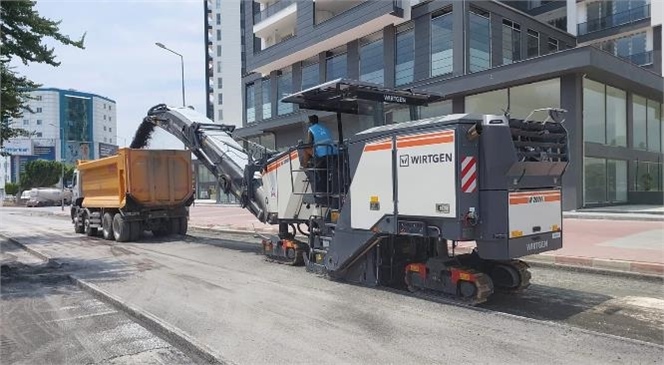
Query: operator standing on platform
324	152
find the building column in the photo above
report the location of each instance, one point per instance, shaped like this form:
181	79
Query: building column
353	60
496	40
422	59
460	14
571	99
389	55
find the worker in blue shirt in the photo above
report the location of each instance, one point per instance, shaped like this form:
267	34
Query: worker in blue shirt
324	152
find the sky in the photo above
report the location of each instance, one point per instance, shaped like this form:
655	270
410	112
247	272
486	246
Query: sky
121	61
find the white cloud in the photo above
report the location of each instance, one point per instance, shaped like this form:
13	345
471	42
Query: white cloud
121	60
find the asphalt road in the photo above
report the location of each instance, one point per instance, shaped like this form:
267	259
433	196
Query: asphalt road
224	294
47	320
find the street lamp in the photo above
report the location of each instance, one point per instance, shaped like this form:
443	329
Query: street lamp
62	163
161	45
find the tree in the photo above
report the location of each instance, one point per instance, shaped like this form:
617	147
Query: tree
11	189
40	173
22	31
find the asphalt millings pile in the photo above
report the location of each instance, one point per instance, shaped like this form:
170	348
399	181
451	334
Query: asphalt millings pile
143	135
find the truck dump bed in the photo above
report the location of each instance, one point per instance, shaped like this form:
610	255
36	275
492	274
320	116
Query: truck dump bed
152	178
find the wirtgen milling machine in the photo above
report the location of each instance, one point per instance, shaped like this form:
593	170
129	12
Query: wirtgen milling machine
390	208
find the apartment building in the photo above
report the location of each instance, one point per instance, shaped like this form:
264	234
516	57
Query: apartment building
65	125
484	57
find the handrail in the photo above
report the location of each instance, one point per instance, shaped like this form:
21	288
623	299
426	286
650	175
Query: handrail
614	20
271	10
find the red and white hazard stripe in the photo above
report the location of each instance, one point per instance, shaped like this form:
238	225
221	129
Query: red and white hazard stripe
469	174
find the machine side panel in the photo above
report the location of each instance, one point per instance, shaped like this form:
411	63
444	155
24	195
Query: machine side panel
534	212
372	186
426	169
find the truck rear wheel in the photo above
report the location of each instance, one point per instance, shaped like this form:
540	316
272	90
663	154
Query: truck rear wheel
184	224
107	226
78	225
121	228
89	230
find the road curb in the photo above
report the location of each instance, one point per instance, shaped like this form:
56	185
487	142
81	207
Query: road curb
27	248
632	269
646	217
231	230
173	334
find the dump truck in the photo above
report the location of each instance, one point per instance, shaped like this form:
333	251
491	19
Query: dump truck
131	192
391	206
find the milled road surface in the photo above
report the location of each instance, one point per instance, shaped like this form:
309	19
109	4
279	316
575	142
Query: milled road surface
251	311
47	320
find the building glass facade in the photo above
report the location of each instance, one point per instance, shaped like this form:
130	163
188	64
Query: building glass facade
442	50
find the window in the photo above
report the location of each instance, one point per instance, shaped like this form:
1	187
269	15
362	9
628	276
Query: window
441	49
104	117
38	97
249	97
219	66
479	41
267	105
104	106
105	128
511	42
405	57
640	123
218	34
220	115
604	114
436	109
218	51
39	134
654	133
220	99
26	122
284	88
110	118
219	82
310	75
616	117
110	140
605	181
553	45
560	23
38	110
110	129
533	43
594	112
217	4
492	102
526	98
648	176
371	60
110	107
39	122
218	19
105	139
594	180
336	66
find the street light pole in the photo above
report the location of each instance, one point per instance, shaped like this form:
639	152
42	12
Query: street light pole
62	164
161	45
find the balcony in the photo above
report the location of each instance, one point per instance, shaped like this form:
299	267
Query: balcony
614	20
328	9
639	59
272	9
278	26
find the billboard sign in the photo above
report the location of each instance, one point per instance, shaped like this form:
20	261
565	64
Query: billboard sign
106	149
18	147
75	151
